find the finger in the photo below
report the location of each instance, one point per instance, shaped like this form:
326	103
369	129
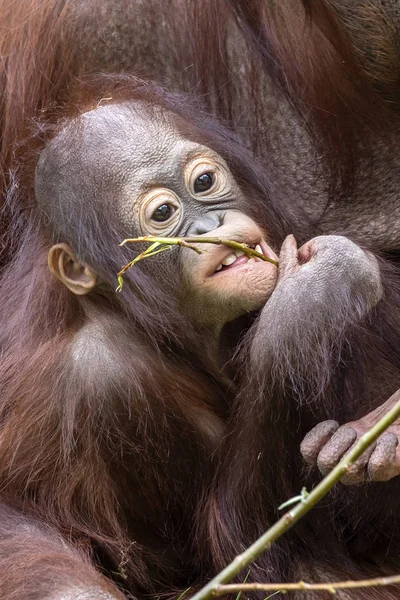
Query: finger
338	445
358	472
288	260
383	464
316	439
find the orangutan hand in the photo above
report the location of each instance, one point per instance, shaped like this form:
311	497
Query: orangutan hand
327	443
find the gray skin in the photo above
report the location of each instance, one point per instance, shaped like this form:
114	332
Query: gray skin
147	163
327	443
157	41
151	165
137	158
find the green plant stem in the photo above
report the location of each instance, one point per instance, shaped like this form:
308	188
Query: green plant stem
160	244
187	242
289	519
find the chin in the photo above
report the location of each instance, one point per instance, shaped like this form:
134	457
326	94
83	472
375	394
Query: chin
225	282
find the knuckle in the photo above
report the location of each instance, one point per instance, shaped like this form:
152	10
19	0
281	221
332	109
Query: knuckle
354	477
381	471
382	465
316	439
357	473
335	448
325	467
389	440
327	458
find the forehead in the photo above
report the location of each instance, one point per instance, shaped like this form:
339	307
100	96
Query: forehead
136	125
133	139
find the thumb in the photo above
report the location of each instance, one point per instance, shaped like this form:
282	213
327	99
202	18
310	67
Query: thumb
288	260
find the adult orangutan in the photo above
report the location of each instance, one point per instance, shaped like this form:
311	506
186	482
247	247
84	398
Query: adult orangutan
116	409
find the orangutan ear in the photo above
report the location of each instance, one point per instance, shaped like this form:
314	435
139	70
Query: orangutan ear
63	263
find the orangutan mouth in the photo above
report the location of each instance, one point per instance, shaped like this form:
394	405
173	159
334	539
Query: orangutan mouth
237	258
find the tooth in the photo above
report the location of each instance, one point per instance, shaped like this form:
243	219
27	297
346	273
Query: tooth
258	249
239	253
229	260
219	268
252	260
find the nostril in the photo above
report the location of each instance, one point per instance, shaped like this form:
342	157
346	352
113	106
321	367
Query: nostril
205	225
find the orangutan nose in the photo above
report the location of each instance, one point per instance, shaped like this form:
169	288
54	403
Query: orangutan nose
206	224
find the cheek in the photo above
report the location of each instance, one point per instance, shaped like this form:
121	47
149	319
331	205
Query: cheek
165	271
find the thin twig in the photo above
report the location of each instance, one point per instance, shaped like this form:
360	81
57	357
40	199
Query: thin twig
331	587
160	244
289	519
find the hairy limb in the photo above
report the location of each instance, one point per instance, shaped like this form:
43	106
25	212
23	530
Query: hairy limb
36	563
326	444
323	288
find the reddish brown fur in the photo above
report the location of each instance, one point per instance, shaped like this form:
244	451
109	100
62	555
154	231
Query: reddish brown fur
58	449
352	534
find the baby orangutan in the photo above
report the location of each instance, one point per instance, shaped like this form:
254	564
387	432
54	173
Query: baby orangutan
133	165
119	417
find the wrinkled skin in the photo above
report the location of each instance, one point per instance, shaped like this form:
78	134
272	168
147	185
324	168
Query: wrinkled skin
144	37
327	257
141	164
327	443
326	266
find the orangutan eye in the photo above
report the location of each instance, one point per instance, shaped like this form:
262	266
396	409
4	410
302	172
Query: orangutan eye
203	183
163	213
207	177
160	211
